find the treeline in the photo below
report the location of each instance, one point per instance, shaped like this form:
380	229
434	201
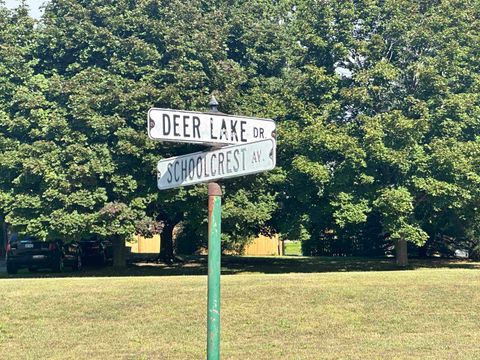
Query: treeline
377	105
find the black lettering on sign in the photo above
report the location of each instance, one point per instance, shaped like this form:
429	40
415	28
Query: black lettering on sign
196	127
191	168
185	125
242	131
255	132
233	130
212	168
211	130
243	158
170	176
199	167
206	167
229	160
256	156
176	124
221	158
261	133
236	155
166	124
223	130
184	169
177	178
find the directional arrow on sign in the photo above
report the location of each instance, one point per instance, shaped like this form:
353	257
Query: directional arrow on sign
207	128
227	162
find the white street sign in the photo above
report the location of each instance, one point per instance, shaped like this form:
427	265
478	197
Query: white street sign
227	162
207	128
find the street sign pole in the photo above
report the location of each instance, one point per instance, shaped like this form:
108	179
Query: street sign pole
214	263
241	146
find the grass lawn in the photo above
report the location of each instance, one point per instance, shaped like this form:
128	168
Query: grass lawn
293	248
432	312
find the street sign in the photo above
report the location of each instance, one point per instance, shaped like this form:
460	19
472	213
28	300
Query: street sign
252	150
226	162
207	128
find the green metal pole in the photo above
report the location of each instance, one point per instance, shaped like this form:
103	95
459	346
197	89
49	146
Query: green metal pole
214	260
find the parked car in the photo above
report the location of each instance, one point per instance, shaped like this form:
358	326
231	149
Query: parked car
34	254
97	251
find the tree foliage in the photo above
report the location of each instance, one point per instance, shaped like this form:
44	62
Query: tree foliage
391	105
377	106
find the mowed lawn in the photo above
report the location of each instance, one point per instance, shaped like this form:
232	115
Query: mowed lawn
293	248
413	314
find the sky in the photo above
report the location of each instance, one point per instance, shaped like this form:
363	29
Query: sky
33	4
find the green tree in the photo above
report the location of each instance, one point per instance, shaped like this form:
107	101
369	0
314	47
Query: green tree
116	221
103	65
387	100
396	208
22	105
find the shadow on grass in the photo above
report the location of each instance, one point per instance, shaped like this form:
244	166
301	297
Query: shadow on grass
231	265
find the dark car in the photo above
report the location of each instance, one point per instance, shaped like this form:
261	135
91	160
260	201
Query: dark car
34	254
97	251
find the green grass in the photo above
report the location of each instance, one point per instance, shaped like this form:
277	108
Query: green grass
293	248
197	265
427	313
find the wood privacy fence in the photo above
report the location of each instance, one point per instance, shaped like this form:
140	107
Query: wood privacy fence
262	245
142	245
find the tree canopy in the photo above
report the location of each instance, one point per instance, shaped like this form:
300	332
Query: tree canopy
377	106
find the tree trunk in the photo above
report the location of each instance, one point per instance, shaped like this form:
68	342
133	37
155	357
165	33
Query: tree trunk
119	258
166	244
401	252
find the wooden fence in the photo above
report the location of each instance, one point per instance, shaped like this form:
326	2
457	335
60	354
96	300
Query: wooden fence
143	245
262	245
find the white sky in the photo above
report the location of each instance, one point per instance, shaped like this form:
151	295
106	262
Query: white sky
33	4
